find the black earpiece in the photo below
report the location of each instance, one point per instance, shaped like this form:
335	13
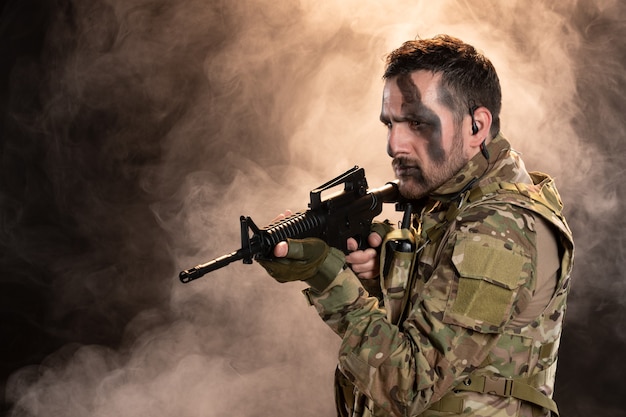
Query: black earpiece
483	145
483	149
474	125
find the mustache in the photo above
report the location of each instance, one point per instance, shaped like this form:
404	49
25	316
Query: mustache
405	162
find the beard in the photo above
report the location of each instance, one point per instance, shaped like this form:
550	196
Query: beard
418	179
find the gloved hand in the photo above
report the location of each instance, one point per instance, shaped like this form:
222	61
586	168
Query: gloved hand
381	229
310	260
365	263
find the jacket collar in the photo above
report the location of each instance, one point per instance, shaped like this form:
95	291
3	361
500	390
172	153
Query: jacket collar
478	170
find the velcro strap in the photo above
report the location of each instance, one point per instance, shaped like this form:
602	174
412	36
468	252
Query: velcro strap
448	404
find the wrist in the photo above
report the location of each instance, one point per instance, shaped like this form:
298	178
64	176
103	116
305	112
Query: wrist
333	264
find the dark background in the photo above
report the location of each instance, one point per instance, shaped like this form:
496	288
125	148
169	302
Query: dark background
133	134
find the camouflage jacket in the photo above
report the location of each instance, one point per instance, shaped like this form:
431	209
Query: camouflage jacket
453	346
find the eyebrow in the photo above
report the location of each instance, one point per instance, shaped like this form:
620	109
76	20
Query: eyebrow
423	113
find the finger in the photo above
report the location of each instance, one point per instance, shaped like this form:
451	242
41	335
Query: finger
351	244
363	268
364	263
281	249
368	275
361	256
282	216
278	218
374	240
366	271
381	228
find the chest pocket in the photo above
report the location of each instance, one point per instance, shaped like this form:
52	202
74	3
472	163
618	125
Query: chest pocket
490	272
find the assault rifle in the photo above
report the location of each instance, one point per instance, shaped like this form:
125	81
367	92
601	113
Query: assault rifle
347	213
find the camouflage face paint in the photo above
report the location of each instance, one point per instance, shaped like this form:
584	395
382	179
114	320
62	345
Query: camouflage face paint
428	123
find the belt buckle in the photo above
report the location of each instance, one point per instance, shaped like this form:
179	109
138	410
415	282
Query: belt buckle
498	386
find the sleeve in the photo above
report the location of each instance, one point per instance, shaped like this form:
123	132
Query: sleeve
453	323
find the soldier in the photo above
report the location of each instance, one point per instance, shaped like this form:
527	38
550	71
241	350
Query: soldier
468	323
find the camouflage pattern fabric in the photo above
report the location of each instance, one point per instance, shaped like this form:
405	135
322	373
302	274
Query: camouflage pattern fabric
475	273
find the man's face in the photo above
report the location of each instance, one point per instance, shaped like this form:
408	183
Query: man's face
426	146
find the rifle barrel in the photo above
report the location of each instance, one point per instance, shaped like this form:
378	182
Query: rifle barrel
217	263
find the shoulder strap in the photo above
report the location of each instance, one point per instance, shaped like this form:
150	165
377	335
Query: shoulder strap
541	197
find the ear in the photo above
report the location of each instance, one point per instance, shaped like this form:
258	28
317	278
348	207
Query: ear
480	124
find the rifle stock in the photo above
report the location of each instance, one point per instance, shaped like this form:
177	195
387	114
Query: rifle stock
345	214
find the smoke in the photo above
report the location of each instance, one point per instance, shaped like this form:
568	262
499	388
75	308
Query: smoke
136	132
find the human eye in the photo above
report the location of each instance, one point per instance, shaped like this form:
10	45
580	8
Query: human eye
386	122
415	124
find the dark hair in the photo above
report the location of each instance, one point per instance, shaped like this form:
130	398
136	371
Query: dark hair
468	78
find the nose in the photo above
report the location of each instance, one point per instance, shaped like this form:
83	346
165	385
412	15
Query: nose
397	140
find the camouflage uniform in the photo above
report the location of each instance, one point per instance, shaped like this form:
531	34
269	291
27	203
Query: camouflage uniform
446	341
